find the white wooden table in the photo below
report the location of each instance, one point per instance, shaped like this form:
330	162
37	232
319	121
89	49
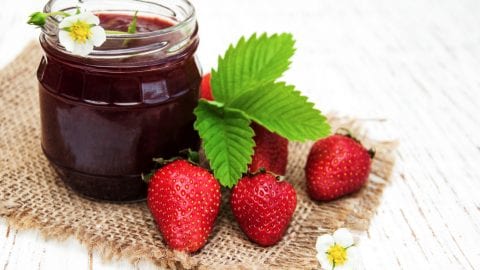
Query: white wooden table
409	68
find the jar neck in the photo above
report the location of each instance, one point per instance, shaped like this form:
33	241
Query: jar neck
177	37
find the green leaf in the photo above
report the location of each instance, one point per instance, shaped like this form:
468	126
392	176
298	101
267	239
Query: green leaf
132	27
251	63
282	109
227	140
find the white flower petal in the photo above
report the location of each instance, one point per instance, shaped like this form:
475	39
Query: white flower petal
89	18
343	237
324	242
352	257
68	21
66	40
345	266
348	265
98	35
353	251
352	260
323	260
83	49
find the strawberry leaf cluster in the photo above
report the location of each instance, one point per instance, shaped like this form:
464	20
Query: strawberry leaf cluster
246	88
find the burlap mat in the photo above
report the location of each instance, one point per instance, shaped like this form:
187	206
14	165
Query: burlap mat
33	197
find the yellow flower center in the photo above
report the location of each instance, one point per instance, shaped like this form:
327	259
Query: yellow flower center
337	255
80	31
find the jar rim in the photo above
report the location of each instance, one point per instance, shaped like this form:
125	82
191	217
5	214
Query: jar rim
173	28
165	42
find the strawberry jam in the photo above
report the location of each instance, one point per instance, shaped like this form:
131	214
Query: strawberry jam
105	116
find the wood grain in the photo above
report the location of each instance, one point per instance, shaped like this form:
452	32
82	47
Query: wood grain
409	69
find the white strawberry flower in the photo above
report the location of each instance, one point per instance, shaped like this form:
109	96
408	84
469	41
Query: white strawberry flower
79	33
337	251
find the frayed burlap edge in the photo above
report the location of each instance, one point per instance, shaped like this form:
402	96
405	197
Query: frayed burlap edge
32	197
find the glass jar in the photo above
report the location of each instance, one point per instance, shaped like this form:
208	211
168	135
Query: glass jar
104	117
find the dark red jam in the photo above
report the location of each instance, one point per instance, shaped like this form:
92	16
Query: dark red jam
120	22
104	120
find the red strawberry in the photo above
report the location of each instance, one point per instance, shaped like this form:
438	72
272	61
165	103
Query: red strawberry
184	200
270	152
263	207
206	88
336	166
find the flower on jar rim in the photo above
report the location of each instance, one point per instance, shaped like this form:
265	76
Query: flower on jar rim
337	251
79	33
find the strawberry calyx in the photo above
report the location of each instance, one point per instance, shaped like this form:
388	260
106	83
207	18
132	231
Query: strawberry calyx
192	156
146	177
372	152
185	154
262	170
259	171
347	133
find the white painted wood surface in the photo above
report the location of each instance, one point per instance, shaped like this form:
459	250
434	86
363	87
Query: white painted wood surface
409	68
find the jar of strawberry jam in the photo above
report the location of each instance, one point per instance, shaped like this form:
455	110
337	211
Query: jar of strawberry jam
106	115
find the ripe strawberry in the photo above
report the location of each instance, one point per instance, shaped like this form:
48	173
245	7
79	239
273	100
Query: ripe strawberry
206	88
270	152
336	166
263	207
184	200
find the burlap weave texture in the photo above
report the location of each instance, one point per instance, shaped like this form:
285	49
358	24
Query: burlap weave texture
33	197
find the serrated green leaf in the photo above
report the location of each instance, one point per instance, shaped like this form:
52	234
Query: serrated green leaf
227	140
282	109
251	63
